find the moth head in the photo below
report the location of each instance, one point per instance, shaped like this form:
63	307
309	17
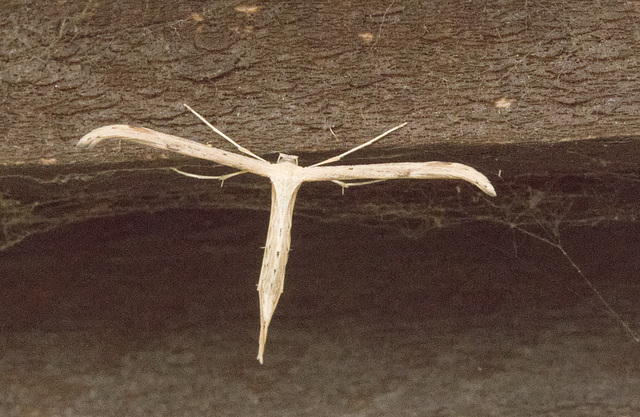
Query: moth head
283	157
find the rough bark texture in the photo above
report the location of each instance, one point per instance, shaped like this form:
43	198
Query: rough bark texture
556	82
278	76
541	96
533	94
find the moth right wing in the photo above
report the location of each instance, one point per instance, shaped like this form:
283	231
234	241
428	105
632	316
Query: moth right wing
176	144
400	170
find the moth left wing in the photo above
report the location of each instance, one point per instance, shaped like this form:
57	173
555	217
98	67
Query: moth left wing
176	144
400	170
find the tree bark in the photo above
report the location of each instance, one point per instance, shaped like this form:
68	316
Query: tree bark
527	92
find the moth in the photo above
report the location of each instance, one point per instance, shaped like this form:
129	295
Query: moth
286	177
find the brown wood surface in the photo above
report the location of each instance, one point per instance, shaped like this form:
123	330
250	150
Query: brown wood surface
542	97
277	75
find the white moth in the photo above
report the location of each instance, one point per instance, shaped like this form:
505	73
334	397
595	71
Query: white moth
286	178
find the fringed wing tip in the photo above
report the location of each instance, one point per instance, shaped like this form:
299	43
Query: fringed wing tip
470	174
96	136
488	189
87	141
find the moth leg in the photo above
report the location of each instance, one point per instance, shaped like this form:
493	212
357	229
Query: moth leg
346	185
342	155
221	178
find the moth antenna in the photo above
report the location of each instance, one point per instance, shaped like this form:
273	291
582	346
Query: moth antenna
342	155
219	132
